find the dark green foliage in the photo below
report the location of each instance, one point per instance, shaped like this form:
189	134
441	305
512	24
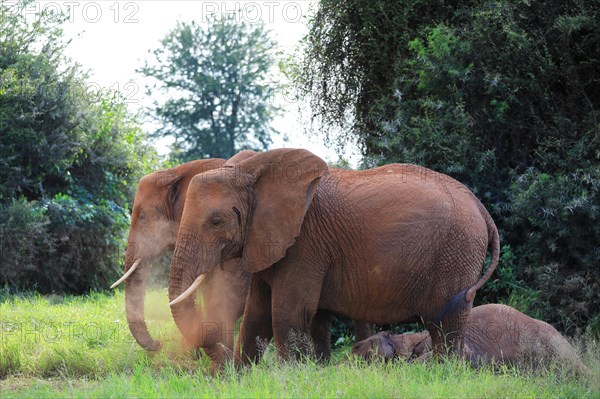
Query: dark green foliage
24	238
504	96
68	164
558	217
219	80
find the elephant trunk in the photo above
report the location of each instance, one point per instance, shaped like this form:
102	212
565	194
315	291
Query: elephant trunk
135	290
183	308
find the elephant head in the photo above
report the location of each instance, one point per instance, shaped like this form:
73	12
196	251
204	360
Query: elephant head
253	211
155	218
387	346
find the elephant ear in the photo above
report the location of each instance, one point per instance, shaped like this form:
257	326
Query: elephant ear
403	345
421	343
174	182
283	184
386	347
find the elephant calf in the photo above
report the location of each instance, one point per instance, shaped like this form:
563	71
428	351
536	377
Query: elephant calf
494	333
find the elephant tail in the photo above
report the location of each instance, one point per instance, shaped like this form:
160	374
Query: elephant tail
494	239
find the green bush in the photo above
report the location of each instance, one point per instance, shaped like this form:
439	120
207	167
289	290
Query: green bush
504	96
558	218
69	160
24	239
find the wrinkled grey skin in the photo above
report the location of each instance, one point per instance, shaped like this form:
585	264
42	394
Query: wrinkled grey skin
494	334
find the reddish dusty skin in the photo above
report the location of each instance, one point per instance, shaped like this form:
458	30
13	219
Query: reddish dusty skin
155	221
393	244
494	333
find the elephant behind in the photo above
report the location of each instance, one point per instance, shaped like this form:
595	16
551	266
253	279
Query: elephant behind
494	334
155	219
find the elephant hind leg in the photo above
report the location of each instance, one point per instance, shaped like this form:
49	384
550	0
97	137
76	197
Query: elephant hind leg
448	336
362	331
447	333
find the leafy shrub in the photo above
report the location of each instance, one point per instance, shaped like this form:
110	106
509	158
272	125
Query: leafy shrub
558	218
69	159
503	96
24	239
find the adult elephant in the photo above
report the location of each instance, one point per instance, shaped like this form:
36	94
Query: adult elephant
399	243
155	220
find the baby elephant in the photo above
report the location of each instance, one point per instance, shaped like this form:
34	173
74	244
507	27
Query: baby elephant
494	333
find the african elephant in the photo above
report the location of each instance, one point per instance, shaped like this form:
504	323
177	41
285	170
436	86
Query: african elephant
155	219
398	243
494	333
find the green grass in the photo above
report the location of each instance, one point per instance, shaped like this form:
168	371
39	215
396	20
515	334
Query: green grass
81	347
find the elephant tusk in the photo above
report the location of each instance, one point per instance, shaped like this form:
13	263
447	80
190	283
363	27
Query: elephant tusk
131	270
189	291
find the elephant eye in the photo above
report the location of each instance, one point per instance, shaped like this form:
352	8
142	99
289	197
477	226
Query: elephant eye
216	221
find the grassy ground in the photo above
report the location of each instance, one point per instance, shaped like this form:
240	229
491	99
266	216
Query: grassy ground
81	347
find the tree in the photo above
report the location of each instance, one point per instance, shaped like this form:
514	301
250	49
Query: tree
216	79
69	159
504	96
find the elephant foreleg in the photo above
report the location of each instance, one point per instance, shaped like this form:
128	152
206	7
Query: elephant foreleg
295	299
256	329
218	343
292	320
321	334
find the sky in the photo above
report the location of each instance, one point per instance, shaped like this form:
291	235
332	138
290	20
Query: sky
112	39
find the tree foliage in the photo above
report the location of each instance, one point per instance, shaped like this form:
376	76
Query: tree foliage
69	158
502	95
218	80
